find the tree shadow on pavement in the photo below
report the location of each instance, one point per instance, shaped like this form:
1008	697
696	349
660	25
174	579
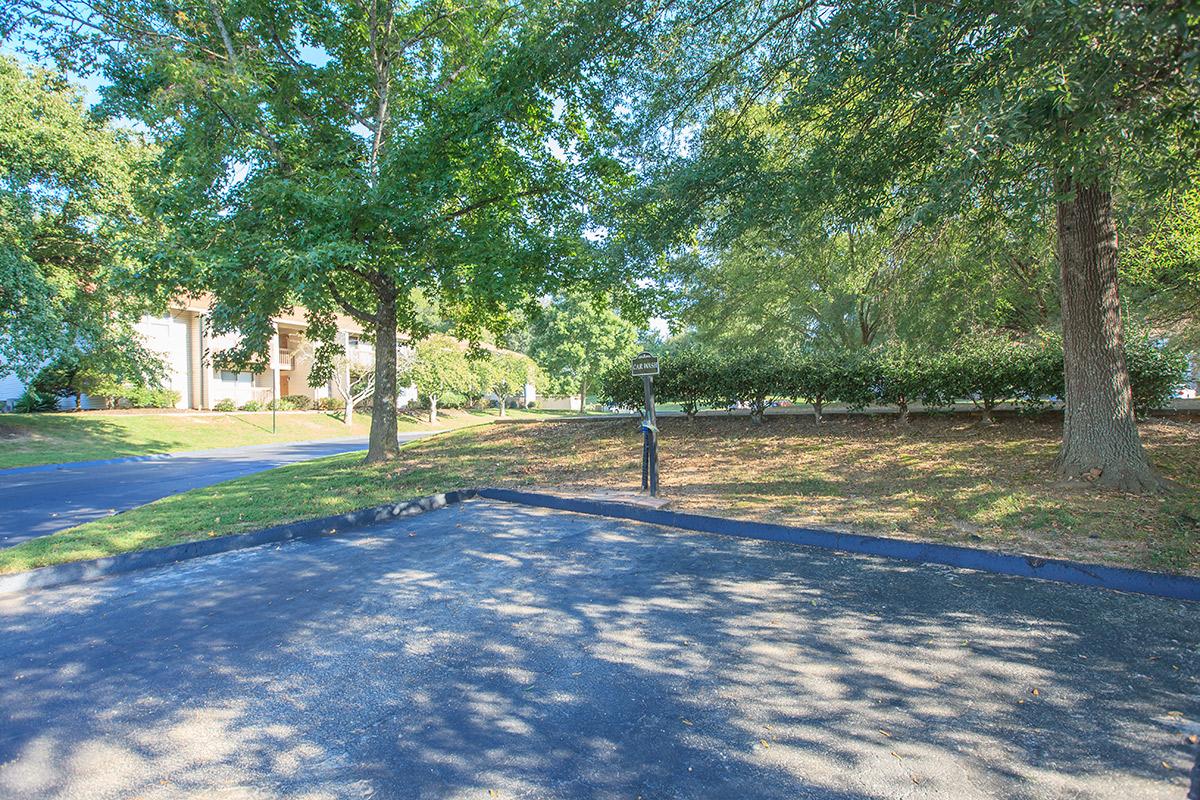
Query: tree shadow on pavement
494	648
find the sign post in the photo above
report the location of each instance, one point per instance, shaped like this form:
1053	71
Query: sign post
645	366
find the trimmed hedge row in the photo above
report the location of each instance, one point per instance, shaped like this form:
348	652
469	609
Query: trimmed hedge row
986	371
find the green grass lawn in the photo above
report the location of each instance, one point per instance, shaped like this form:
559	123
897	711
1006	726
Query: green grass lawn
943	479
29	439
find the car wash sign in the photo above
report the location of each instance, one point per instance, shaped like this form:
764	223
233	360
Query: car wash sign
645	365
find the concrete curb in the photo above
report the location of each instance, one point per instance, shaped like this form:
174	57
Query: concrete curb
163	456
85	571
1157	584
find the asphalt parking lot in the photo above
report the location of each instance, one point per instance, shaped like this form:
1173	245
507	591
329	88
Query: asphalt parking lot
496	651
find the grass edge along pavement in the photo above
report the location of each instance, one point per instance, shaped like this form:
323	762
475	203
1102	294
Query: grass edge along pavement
1059	571
97	569
578	458
169	521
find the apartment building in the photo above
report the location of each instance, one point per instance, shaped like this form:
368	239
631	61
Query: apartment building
185	341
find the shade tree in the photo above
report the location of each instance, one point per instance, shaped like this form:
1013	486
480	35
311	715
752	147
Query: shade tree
358	157
1044	108
67	200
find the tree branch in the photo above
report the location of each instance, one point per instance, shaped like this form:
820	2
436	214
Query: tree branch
349	307
489	201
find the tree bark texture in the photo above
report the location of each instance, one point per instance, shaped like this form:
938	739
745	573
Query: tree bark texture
1100	443
384	444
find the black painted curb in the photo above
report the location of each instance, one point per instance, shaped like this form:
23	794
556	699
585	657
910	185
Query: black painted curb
1157	584
85	571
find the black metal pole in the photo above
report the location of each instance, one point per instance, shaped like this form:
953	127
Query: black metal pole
645	457
650	442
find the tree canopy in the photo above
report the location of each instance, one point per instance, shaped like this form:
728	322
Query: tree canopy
345	155
835	116
66	200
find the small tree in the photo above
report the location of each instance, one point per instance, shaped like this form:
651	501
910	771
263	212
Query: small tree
686	378
751	377
509	374
816	378
901	378
577	339
111	372
481	367
988	368
439	369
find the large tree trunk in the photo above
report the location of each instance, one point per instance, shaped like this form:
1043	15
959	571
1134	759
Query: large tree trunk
433	409
384	444
1100	437
503	406
583	396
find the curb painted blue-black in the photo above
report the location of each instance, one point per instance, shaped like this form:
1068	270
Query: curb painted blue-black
84	571
1179	587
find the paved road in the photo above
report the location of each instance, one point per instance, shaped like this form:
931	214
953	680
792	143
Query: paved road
495	651
36	503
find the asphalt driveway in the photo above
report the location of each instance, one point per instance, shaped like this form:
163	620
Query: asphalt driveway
38	502
496	651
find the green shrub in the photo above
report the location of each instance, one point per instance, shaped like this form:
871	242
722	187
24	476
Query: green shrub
754	378
988	369
684	378
1156	373
328	404
253	405
620	388
903	376
225	405
35	402
827	376
453	400
298	402
1042	380
147	397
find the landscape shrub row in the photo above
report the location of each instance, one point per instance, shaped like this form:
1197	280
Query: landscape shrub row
985	370
289	402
